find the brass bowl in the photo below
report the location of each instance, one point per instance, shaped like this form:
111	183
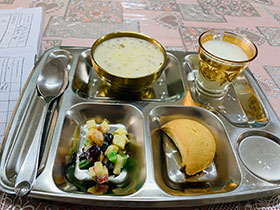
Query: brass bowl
127	84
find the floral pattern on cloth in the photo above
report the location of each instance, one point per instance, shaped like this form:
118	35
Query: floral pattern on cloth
157	5
94	11
49	6
9	202
6	1
238	8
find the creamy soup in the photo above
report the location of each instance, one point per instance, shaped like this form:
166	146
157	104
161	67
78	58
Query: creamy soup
128	57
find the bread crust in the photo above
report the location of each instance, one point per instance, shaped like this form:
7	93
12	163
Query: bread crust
195	143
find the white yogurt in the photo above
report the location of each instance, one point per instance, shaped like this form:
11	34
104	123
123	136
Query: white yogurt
225	50
128	57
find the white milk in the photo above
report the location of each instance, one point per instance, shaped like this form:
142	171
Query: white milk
225	50
128	57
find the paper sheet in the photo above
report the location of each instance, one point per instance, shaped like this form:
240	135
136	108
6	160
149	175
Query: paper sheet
20	37
20	30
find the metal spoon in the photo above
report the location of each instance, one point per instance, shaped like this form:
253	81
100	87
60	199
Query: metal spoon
51	83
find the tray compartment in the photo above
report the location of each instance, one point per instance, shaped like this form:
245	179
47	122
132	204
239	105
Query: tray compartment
168	87
27	125
224	173
24	137
118	115
259	151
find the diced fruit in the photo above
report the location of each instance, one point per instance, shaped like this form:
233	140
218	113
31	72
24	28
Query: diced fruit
120	141
102	179
118	165
98	168
104	127
102	154
95	137
93	153
101	157
112	156
105	177
91	124
105	170
111	148
120	131
92	173
101	172
84	164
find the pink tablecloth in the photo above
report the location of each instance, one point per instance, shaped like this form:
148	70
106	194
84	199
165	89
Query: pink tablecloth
177	25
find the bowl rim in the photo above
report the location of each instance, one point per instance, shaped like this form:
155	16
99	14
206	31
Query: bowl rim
128	34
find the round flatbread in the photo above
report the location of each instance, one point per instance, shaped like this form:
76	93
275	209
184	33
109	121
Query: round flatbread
195	143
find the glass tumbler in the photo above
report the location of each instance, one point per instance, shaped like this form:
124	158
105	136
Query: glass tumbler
222	57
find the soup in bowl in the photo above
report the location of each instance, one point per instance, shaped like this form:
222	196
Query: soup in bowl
128	61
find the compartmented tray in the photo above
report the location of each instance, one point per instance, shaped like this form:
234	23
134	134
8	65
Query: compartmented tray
246	128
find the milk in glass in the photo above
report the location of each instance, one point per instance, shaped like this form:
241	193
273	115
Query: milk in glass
225	50
220	62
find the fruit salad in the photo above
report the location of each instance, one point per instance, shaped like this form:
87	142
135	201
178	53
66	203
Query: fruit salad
103	155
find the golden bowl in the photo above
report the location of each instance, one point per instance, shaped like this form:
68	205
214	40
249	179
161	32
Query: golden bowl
123	83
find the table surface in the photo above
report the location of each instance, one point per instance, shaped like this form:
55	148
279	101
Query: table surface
177	25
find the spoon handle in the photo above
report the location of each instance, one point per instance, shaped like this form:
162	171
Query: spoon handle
28	171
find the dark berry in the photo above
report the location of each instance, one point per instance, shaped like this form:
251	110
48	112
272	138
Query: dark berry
110	167
105	146
108	137
93	153
82	156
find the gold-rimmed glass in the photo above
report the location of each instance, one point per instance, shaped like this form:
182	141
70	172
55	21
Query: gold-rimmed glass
215	72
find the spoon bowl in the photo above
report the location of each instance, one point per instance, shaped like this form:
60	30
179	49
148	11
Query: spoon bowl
52	81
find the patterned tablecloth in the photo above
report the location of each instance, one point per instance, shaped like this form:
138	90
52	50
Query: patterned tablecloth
177	25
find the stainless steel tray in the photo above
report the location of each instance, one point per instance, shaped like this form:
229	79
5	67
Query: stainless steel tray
247	130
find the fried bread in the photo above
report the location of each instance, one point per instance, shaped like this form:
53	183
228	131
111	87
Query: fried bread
195	143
